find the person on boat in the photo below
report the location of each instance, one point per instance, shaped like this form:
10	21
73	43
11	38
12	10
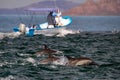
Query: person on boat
50	19
58	18
22	28
34	26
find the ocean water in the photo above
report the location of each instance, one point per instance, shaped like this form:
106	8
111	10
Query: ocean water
82	23
98	39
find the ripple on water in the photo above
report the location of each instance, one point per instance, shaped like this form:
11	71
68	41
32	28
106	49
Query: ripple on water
17	58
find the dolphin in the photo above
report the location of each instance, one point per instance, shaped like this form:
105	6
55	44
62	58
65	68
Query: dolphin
81	61
49	60
47	51
68	61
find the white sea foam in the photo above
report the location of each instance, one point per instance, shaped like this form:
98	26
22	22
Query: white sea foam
10	35
64	31
56	32
61	61
20	54
10	77
59	52
1	52
6	63
31	60
50	32
1	64
53	66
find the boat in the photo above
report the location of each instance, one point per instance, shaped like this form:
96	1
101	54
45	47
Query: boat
66	20
31	31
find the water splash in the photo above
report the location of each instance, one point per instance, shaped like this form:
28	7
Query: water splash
10	35
61	61
10	77
64	31
31	60
61	32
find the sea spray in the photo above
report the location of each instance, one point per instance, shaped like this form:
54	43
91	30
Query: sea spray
10	35
64	31
31	60
61	32
61	61
10	77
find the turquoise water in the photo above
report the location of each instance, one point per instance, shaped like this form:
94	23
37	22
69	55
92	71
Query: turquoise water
17	54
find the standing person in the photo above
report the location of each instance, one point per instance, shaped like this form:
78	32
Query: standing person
50	20
34	26
58	18
22	28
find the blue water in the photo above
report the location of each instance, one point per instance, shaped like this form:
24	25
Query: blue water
96	23
83	23
103	47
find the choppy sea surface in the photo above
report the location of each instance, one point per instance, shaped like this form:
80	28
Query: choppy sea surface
98	39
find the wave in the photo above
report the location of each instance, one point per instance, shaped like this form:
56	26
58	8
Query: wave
10	77
10	35
61	32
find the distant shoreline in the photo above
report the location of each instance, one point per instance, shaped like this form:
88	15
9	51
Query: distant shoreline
62	15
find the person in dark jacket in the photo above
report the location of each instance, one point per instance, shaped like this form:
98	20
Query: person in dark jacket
51	19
